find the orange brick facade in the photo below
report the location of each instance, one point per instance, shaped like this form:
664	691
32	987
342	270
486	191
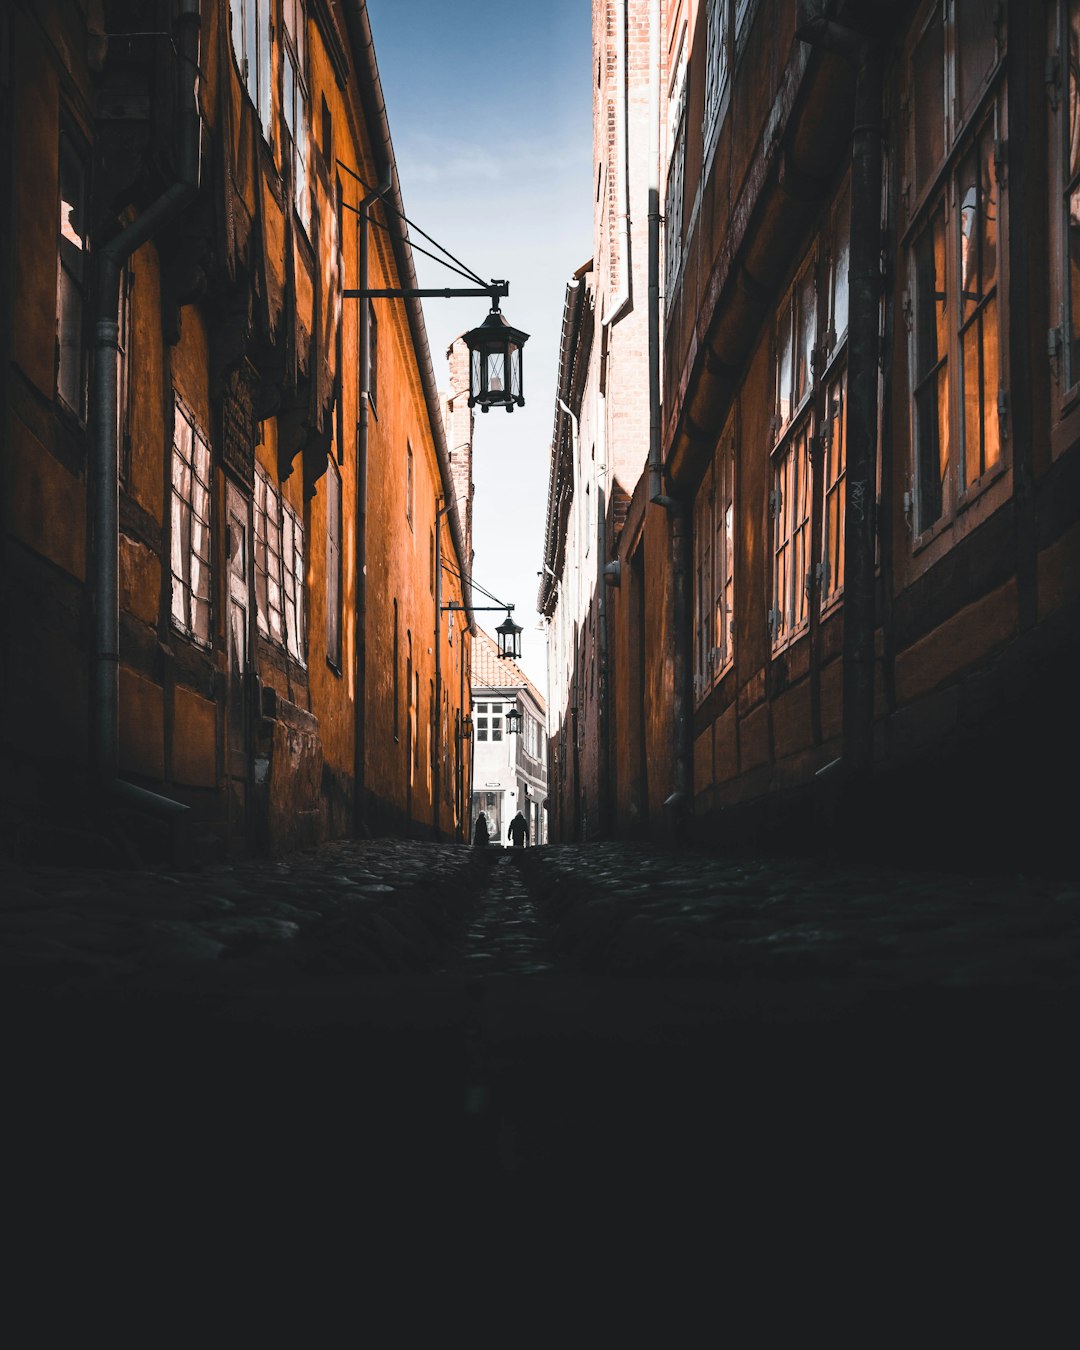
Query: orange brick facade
252	688
735	704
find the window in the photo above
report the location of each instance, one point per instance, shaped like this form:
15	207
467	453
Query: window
834	426
333	570
1065	177
489	721
373	355
957	387
123	379
431	561
397	676
73	276
409	485
714	569
190	528
810	431
726	28
673	197
294	103
279	569
789	504
251	45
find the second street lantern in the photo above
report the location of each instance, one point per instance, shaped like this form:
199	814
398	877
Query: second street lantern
495	368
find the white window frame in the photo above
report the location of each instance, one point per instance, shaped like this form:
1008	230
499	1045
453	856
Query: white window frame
72	267
791	499
252	44
714	570
190	545
279	570
674	192
294	104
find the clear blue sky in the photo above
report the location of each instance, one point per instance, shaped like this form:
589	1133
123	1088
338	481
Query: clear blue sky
490	109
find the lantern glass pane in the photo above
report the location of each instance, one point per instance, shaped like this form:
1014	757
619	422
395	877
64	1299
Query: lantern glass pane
495	372
515	372
475	373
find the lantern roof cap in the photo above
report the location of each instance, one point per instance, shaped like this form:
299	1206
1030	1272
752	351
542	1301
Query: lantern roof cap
496	324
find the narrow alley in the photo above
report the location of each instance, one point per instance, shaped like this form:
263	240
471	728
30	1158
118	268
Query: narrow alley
398	1019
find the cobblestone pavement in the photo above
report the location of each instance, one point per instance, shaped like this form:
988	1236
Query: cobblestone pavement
614	1021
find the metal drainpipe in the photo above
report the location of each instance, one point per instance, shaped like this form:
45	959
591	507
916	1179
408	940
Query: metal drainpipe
104	450
360	635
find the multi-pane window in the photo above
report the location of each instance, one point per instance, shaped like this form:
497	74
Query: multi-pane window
333	568
252	47
726	21
279	569
955	160
833	435
489	721
190	528
123	376
409	482
294	103
789	503
1065	177
673	197
373	356
714	567
810	431
73	276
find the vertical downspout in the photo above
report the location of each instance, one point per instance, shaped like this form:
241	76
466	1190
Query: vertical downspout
104	449
862	425
360	638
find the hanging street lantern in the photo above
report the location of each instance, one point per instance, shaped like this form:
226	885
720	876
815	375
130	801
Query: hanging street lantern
495	362
513	721
466	727
509	638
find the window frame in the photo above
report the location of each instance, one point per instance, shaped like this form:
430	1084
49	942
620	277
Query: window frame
182	586
251	24
794	425
295	107
983	121
1063	186
71	279
675	180
334	576
280	570
714	567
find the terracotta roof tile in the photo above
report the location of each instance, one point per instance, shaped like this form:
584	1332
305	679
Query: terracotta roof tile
492	671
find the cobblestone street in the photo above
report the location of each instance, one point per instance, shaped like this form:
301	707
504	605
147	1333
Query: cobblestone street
388	1018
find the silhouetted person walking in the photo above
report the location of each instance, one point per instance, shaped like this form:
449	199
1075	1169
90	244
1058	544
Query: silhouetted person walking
481	838
519	831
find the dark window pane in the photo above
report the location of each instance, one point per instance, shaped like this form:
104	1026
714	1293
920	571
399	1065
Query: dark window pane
928	113
975	46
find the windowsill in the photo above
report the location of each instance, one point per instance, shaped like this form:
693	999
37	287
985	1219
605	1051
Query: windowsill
971	494
334	667
1066	430
190	638
782	648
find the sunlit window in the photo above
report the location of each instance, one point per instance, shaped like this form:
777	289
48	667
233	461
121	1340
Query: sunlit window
190	528
72	271
957	386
